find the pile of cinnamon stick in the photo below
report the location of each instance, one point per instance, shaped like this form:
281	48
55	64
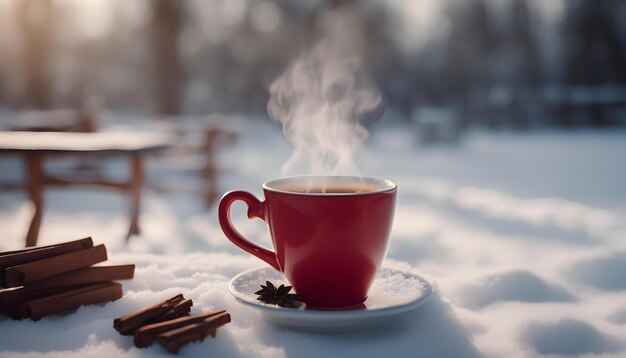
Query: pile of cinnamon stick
45	280
171	324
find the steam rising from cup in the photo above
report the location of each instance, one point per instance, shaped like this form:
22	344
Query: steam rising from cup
321	100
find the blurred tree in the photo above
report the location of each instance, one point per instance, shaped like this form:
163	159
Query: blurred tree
123	81
4	43
524	62
524	37
595	54
470	46
391	69
35	21
166	27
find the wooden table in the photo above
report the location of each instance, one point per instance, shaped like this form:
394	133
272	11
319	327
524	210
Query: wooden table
36	147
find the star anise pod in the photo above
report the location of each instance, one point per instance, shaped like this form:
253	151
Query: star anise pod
279	296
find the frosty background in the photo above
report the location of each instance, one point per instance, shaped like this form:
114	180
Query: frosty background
498	63
503	128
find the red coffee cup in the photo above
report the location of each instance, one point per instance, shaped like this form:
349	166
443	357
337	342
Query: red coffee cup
329	245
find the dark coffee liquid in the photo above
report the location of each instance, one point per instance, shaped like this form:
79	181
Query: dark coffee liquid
330	188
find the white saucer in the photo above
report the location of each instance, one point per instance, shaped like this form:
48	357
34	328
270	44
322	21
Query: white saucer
392	293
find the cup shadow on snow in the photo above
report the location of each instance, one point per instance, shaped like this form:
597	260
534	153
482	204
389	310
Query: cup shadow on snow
569	337
432	330
604	272
520	286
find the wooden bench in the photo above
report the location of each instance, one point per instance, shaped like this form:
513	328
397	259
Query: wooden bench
36	147
200	138
57	120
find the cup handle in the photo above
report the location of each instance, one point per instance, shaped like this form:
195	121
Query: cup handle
256	209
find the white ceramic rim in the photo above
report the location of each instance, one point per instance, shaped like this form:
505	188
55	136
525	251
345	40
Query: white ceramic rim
386	186
333	315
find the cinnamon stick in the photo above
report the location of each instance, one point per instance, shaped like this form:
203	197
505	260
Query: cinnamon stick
146	335
26	273
59	283
14	312
82	243
128	324
175	339
19	295
72	299
13	258
89	275
181	309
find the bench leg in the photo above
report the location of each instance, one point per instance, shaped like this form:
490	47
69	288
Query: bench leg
210	181
34	166
209	172
135	194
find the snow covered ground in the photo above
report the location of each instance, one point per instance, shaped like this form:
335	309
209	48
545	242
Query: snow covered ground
524	236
